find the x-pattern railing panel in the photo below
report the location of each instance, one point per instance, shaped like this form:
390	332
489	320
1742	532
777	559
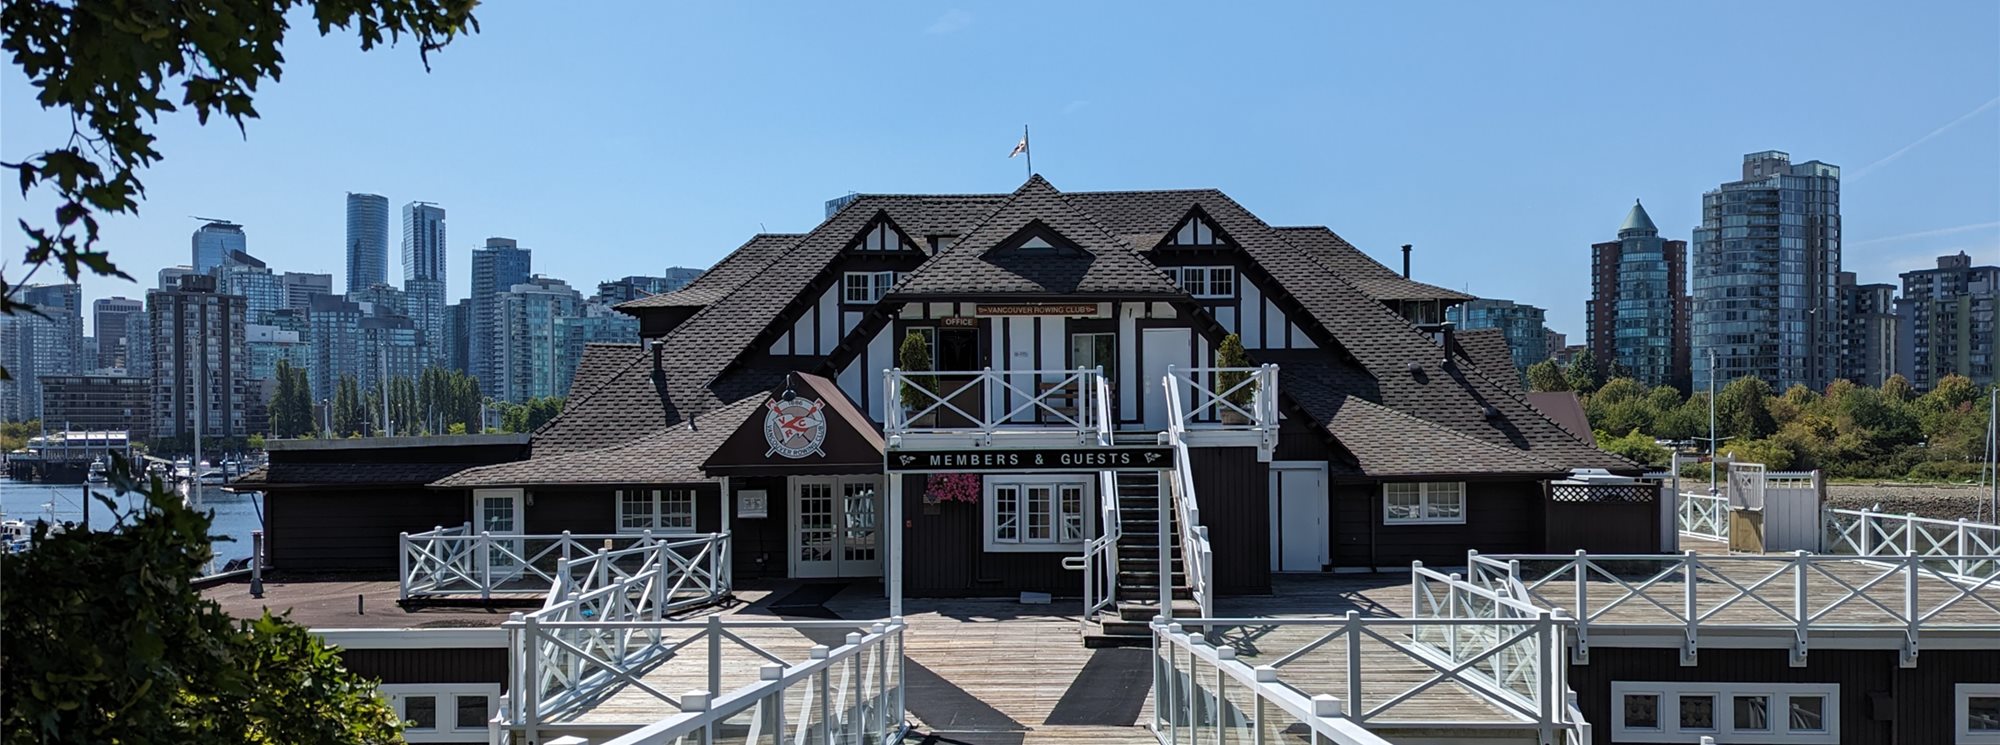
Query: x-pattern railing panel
1064	399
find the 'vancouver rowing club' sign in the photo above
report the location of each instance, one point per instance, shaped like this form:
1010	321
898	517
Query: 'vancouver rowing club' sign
1116	458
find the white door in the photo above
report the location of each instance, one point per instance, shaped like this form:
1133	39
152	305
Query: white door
1160	348
498	511
1298	519
836	526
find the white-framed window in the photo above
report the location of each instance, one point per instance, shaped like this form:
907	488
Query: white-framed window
1976	710
449	712
657	510
1422	503
1804	713
1213	282
864	288
1037	513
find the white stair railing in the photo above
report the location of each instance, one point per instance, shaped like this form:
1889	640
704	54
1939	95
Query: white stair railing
1099	562
1197	556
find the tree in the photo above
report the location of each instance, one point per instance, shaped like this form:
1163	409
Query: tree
110	63
1898	389
1582	373
914	355
1742	409
1634	446
1545	377
106	640
291	403
530	416
350	409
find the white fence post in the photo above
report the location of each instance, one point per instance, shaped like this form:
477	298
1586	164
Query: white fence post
403	563
1355	710
485	559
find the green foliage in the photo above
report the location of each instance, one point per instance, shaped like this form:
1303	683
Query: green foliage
14	435
1775	456
1582	374
291	404
106	641
1230	353
112	66
1634	446
1545	377
1742	409
530	416
254	441
914	355
350	408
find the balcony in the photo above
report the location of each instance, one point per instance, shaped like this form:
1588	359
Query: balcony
1224	406
948	409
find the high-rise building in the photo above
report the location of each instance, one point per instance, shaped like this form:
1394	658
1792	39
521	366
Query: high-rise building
200	360
1766	267
626	289
382	300
390	346
245	275
99	403
1520	323
497	266
424	274
1556	341
170	277
32	345
113	317
367	240
596	323
212	243
457	330
1637	317
267	344
300	287
335	341
530	339
1868	331
1948	322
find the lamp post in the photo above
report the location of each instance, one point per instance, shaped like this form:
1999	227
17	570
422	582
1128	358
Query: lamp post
1711	421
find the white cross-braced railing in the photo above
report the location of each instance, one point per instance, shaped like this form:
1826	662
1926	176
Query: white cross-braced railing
1799	593
1359	669
1226	399
459	562
1202	693
1967	549
1703	516
1503	670
989	403
1197	555
846	692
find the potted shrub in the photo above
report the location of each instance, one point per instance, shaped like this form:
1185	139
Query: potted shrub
918	391
1232	355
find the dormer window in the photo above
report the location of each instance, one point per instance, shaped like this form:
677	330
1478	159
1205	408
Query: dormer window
867	288
1206	282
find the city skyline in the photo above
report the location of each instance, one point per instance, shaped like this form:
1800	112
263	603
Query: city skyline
1919	152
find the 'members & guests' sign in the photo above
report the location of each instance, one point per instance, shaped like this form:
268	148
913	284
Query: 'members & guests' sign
1117	458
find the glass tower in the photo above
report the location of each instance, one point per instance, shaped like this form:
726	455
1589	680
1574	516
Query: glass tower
367	240
1637	319
497	266
213	242
1766	272
423	276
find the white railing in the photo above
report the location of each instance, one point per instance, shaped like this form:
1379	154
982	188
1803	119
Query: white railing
1366	671
804	693
994	402
1525	678
1966	549
1226	399
1801	593
1197	556
1703	516
1202	693
457	562
671	573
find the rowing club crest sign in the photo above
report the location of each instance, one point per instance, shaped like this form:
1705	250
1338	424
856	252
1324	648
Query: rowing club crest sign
795	427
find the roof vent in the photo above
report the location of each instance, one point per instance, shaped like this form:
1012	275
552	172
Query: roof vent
1415	368
1489	412
658	346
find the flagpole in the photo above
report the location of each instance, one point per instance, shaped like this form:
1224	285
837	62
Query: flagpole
1028	150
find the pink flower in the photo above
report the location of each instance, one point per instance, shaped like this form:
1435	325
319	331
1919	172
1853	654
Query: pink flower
952	487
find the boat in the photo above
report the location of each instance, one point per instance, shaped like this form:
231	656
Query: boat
16	535
97	473
211	476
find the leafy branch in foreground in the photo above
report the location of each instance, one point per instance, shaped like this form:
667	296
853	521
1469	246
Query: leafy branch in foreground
105	640
111	64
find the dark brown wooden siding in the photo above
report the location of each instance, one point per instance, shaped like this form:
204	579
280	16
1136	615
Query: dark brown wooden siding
1880	701
454	665
1234	491
1602	527
760	545
1500	517
351	530
595	509
944	555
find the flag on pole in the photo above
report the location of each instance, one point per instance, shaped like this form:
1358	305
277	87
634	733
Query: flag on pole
1019	148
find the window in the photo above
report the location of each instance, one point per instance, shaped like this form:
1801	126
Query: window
1412	504
657	510
1732	712
865	288
1088	351
1976	709
443	713
1027	513
1215	282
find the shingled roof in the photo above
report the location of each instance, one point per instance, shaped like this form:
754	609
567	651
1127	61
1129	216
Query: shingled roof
1084	260
1363	271
672	456
731	272
1487	351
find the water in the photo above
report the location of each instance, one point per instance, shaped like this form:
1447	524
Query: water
235	514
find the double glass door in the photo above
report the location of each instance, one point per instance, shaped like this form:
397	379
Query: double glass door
836	526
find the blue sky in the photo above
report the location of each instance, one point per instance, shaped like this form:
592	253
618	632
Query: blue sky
1500	138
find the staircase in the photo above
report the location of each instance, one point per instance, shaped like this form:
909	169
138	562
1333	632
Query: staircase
1139	566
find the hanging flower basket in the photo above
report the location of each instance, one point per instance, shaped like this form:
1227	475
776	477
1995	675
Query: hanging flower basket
952	487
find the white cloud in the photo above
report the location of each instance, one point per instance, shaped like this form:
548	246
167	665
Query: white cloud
953	20
1921	140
